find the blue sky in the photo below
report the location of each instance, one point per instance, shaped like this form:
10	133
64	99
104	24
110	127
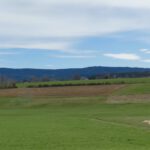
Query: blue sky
55	34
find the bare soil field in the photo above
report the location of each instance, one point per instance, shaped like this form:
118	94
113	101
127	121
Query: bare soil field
62	91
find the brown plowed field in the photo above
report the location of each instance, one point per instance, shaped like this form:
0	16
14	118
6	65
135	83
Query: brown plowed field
62	91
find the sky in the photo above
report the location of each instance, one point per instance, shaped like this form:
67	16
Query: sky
56	34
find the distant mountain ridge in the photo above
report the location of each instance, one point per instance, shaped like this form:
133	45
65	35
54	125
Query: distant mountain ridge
66	74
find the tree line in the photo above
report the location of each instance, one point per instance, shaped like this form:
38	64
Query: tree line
6	82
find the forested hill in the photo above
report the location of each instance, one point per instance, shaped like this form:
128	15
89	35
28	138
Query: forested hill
66	74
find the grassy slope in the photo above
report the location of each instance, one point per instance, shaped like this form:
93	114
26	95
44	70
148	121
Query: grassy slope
135	89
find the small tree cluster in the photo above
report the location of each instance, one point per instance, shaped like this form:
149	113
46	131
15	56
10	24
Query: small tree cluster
6	83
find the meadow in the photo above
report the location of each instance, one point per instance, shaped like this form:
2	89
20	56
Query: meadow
113	118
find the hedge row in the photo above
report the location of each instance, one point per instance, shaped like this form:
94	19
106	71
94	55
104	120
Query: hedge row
72	84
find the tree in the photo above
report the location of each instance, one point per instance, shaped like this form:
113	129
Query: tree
76	77
6	83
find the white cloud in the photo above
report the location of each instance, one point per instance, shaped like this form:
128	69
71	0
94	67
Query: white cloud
60	46
146	60
147	51
27	19
119	3
73	56
124	56
49	66
66	23
64	18
82	52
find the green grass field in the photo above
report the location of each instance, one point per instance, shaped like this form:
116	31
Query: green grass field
77	123
30	122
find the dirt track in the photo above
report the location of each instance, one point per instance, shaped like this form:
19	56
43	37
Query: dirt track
62	91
